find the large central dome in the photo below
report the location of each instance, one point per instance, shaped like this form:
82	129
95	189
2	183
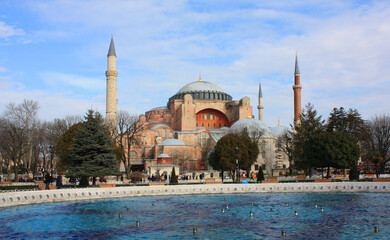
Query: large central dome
202	90
200	86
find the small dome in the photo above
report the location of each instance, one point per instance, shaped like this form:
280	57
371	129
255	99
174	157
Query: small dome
278	130
172	142
159	126
252	126
200	86
163	155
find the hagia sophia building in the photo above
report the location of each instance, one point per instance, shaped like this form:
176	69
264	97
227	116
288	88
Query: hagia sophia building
181	133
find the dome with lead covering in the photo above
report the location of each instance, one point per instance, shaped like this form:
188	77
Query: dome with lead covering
251	126
172	142
202	90
163	155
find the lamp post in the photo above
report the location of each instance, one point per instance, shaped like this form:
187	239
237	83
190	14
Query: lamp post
51	149
237	167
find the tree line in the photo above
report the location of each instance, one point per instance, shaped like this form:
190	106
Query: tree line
27	144
315	144
337	142
30	145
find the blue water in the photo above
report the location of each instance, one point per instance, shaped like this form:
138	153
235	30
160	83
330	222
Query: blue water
345	216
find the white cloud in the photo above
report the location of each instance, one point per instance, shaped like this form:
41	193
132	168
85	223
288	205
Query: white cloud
9	31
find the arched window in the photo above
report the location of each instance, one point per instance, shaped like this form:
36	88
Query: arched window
164	133
157	134
170	134
133	154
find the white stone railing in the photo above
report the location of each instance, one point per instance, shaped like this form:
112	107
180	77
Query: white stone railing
44	196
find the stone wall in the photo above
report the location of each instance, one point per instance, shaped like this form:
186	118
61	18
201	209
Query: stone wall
46	196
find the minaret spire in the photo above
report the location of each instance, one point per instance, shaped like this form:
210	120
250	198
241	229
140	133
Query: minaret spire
111	50
260	106
200	77
296	72
111	98
297	92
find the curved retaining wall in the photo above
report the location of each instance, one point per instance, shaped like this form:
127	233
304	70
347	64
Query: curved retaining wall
45	196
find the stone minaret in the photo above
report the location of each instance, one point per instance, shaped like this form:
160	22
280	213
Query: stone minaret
111	74
297	92
260	106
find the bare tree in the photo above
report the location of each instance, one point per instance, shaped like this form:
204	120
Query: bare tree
128	135
14	144
284	143
69	120
179	157
25	116
377	146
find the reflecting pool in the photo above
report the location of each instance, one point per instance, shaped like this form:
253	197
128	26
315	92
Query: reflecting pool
222	216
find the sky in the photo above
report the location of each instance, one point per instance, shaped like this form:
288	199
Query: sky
55	53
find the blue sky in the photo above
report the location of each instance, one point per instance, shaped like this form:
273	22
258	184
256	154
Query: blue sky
55	52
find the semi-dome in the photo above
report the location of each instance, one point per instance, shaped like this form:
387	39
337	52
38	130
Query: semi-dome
252	126
172	142
278	130
202	90
163	155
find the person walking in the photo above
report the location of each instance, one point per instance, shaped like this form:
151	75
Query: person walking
48	180
59	181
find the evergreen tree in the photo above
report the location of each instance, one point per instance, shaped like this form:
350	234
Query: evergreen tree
92	154
350	123
65	144
309	127
333	149
174	180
